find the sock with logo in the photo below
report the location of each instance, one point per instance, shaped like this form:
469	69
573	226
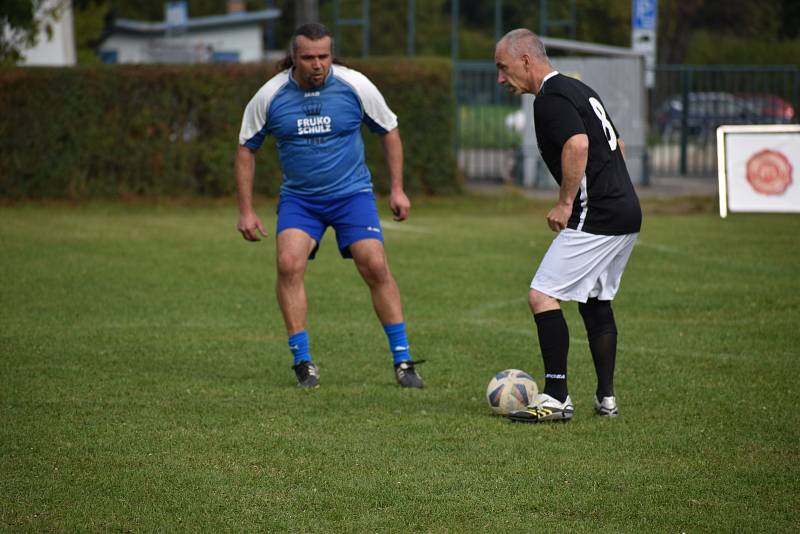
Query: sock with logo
298	344
554	343
601	330
398	342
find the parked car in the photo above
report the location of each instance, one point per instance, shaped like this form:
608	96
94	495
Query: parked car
706	111
770	108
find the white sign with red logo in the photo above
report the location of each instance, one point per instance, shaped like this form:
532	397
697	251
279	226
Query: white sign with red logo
759	168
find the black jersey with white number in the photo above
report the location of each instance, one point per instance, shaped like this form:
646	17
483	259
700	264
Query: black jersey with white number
606	202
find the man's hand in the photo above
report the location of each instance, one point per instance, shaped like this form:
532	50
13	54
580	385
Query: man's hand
400	205
250	226
558	217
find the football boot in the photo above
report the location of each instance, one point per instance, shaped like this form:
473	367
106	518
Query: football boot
406	374
307	375
606	407
544	408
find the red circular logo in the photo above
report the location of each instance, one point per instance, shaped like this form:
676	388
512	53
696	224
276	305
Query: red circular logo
769	172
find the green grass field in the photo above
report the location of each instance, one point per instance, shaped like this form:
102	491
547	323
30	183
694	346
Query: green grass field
145	381
484	126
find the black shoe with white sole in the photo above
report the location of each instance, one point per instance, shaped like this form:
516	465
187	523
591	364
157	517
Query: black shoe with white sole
406	374
307	375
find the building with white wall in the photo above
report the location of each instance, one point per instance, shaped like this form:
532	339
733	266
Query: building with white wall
233	37
58	48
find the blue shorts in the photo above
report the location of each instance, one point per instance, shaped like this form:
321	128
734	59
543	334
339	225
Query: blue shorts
354	217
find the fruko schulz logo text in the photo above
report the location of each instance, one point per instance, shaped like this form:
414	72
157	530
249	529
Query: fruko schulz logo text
314	123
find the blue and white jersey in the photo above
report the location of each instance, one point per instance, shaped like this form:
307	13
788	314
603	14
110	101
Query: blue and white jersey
318	132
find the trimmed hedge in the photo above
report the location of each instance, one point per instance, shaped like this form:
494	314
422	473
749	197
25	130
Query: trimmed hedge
173	130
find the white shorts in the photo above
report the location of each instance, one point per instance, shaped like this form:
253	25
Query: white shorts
579	266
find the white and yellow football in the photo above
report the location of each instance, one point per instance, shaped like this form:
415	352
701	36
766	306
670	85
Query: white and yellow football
510	390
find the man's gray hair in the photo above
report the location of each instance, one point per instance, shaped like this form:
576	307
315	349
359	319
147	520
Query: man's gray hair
523	41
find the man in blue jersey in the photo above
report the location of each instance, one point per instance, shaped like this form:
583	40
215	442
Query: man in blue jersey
315	109
597	219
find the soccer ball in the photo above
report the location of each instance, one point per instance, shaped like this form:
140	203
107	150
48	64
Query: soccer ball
510	390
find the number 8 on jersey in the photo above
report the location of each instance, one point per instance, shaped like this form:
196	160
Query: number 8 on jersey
611	137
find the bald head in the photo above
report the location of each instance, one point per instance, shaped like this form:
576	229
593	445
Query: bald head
522	41
521	61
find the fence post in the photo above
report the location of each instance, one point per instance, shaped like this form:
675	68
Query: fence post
411	48
498	33
455	10
796	91
365	28
685	81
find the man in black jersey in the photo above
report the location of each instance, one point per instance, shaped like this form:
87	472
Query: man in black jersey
597	218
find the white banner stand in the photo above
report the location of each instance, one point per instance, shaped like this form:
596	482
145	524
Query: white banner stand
759	168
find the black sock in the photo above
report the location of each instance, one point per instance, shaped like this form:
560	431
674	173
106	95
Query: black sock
604	354
554	343
601	329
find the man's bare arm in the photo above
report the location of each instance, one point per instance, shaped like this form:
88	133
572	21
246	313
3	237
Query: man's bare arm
245	168
574	156
393	153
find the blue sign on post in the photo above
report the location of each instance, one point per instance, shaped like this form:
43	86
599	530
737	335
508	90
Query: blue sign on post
644	14
643	37
176	14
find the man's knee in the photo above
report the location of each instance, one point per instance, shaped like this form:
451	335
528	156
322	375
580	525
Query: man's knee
374	269
290	265
598	317
539	302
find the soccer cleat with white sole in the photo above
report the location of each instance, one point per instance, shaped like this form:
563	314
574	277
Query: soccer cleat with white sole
607	407
544	408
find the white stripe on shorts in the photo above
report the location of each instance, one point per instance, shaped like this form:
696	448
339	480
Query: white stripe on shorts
579	266
584	202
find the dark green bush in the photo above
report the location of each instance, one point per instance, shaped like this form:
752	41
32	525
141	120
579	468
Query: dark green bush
173	130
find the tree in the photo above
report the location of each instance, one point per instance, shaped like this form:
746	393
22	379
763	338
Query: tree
676	21
22	20
19	27
90	25
306	11
706	30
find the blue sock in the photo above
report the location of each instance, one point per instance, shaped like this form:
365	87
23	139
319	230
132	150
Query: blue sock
398	342
298	344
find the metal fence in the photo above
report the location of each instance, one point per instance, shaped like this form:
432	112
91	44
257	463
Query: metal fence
688	103
683	112
488	133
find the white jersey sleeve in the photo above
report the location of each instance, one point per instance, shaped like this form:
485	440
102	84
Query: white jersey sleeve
377	114
254	122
